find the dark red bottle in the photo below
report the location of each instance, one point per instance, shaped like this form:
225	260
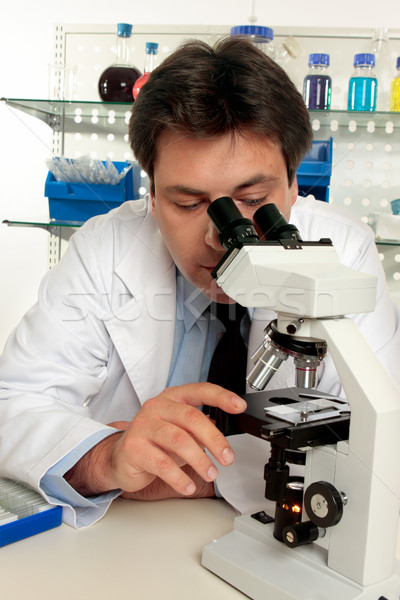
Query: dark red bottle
116	82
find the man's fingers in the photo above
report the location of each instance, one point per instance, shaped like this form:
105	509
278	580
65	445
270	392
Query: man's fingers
156	462
180	444
185	431
199	394
170	431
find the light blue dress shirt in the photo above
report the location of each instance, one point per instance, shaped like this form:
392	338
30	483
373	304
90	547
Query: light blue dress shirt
197	333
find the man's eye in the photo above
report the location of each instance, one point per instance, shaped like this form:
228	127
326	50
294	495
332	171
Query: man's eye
253	201
189	207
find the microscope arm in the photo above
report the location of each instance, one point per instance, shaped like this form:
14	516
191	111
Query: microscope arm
363	545
308	288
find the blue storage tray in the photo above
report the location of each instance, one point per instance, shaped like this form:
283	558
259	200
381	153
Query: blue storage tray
28	526
314	172
31	513
81	201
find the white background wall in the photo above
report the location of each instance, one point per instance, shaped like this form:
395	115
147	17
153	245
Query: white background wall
26	45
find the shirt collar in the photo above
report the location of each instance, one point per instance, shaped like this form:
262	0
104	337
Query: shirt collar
191	302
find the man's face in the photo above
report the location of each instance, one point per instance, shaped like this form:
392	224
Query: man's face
189	174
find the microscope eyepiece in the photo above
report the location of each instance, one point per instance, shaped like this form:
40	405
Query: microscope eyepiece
232	227
274	225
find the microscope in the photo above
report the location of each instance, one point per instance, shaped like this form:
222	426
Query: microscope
334	532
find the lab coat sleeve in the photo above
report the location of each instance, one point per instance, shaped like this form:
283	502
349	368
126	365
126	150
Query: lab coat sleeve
380	328
54	362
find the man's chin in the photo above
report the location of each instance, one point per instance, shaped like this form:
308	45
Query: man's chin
210	288
216	294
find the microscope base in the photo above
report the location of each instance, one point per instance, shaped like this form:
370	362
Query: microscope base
253	561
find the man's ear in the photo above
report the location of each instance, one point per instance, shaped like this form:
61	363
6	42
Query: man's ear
294	191
152	199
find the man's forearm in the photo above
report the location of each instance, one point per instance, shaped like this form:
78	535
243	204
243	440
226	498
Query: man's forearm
91	474
168	432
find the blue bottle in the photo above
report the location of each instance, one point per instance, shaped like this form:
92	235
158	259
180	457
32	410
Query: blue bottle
363	84
317	85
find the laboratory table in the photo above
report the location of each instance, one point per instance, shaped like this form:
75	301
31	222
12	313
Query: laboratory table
137	551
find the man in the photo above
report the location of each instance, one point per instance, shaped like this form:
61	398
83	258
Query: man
123	331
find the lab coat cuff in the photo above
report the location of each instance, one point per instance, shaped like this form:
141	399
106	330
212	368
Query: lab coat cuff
58	490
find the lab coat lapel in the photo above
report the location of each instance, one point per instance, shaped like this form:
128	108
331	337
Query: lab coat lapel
142	329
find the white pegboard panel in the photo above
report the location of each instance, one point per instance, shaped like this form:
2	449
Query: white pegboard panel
390	257
366	155
366	160
92	48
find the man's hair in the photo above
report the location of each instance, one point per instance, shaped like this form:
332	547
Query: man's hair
206	92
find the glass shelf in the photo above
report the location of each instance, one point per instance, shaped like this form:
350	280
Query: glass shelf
383	242
345	118
51	225
50	112
46	224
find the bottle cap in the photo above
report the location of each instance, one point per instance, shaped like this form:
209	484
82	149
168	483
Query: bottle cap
151	47
124	29
292	47
398	63
253	30
364	59
318	59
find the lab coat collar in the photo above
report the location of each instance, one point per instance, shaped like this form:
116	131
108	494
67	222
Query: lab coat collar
147	256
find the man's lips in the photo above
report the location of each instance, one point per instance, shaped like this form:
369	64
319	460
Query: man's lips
210	269
210	266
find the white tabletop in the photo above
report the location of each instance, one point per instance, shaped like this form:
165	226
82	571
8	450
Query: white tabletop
139	550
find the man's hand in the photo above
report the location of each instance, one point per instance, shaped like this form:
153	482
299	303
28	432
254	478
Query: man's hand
167	433
159	490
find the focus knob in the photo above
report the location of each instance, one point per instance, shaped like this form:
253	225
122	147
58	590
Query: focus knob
324	504
300	534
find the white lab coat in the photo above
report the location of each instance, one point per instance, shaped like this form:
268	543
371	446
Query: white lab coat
99	341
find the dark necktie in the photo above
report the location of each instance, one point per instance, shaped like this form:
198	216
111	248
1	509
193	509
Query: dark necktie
228	363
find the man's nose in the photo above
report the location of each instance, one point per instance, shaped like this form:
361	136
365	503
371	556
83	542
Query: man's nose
212	237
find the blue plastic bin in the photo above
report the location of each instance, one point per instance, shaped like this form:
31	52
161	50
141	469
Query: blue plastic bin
81	201
314	172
